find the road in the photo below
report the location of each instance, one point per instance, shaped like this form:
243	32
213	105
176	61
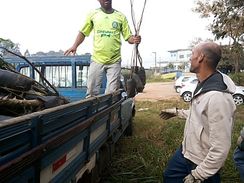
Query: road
158	91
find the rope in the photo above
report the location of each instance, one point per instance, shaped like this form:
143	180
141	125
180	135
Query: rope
136	57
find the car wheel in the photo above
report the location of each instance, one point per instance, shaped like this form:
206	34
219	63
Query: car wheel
177	89
238	99
187	96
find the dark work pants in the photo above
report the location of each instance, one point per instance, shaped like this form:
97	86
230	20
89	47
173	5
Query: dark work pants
179	167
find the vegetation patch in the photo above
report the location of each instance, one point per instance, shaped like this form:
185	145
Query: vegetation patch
238	78
142	157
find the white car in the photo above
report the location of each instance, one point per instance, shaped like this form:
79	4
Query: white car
187	92
181	80
238	96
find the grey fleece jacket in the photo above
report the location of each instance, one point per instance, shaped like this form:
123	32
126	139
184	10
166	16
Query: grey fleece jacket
208	128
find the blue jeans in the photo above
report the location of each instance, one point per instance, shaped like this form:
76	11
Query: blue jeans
179	167
239	162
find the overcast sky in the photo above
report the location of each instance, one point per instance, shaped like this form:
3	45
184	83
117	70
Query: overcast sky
44	25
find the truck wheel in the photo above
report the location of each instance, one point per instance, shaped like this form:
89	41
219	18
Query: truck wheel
129	129
90	177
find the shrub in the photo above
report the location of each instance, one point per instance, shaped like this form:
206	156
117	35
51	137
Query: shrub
238	78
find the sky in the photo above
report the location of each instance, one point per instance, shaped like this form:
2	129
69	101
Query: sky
52	25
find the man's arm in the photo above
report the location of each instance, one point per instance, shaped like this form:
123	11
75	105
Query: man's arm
169	113
79	39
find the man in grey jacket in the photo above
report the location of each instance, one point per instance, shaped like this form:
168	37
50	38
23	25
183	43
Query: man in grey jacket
208	128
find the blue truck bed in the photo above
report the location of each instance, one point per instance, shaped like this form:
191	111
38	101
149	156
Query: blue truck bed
64	143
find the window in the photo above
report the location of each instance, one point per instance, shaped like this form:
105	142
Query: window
181	56
59	76
37	75
25	71
81	76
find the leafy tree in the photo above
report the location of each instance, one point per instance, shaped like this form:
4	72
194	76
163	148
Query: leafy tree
236	3
196	41
10	45
171	66
183	66
227	22
226	65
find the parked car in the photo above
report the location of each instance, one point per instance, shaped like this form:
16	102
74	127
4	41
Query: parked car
180	82
239	95
186	92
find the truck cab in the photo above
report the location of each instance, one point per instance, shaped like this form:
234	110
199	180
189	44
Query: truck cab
68	74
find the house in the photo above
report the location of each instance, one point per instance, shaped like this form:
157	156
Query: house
180	59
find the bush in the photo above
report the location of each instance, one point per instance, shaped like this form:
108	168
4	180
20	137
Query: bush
238	78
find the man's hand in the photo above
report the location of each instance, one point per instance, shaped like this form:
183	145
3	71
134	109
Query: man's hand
168	113
79	39
190	179
135	39
70	51
240	143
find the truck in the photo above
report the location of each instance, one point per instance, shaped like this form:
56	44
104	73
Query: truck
68	143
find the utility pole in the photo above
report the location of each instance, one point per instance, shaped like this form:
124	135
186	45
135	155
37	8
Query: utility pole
155	59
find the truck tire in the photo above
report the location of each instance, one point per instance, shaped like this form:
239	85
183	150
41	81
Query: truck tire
15	81
129	129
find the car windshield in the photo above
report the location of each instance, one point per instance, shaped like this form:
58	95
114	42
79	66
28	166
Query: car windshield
185	79
195	81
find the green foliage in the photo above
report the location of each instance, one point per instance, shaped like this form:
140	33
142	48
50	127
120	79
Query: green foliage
6	66
236	3
143	157
157	78
227	22
227	19
7	43
238	78
171	66
196	41
10	45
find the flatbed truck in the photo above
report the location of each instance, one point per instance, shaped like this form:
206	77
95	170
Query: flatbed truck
68	143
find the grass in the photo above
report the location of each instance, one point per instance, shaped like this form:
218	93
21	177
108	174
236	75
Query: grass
142	157
158	78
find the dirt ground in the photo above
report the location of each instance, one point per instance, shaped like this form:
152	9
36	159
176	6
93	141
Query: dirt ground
158	91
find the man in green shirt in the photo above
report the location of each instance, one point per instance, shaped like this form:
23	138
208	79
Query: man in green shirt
108	25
